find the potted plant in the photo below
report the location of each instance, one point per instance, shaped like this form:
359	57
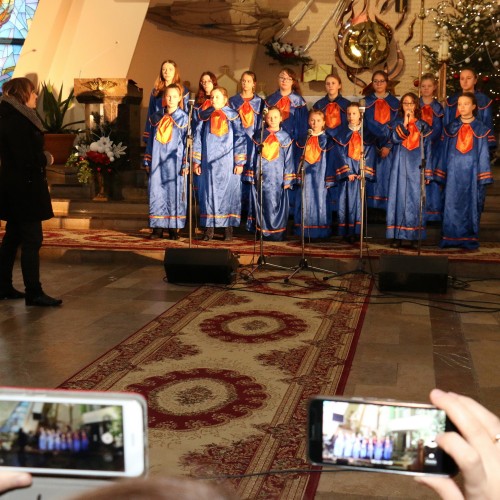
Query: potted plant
59	137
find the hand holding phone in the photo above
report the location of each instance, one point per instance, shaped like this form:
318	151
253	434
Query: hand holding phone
476	449
378	435
72	433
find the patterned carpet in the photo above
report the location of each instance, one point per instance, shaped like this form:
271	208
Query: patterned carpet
228	371
244	244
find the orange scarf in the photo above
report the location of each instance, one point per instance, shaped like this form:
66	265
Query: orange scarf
427	114
413	139
382	111
246	114
218	123
271	147
165	129
332	115
284	106
465	138
354	151
313	151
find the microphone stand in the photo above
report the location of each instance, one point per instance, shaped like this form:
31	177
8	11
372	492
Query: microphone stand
423	197
189	157
303	264
261	261
362	194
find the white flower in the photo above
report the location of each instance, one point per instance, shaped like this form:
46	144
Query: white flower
94	146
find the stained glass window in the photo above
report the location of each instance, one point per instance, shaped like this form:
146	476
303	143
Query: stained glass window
15	21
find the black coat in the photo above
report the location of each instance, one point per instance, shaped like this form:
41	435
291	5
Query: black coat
24	193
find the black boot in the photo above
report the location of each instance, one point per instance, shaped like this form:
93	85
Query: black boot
10	293
173	234
228	233
157	233
209	234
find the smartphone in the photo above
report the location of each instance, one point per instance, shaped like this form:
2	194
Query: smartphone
73	433
378	435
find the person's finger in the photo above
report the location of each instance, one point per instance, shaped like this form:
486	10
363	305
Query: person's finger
477	426
12	480
445	487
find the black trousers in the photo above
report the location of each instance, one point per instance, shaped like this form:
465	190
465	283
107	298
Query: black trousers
28	236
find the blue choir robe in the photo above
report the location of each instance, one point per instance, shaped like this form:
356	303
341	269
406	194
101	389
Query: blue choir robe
250	111
346	163
294	113
403	204
156	105
335	113
379	113
318	166
278	171
432	114
219	147
484	113
465	171
167	185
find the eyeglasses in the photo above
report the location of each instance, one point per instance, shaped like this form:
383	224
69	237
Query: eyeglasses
379	81
285	79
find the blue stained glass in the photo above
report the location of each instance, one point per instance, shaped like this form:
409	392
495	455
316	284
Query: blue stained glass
15	20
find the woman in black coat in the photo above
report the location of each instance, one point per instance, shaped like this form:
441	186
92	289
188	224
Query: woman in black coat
24	193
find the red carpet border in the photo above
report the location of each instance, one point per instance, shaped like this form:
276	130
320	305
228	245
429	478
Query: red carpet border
245	244
227	374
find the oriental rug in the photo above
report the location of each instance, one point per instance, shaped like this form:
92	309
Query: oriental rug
245	244
227	373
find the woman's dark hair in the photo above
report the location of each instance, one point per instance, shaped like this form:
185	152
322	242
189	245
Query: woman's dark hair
417	111
295	85
381	73
160	84
19	88
200	95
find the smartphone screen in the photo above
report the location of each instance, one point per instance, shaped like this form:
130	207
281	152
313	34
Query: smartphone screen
72	434
378	435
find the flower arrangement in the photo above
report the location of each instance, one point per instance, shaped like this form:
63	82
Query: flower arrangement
97	155
286	53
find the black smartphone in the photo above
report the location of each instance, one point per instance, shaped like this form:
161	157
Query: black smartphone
378	435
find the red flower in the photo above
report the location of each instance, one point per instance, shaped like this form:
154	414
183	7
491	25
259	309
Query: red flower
96	157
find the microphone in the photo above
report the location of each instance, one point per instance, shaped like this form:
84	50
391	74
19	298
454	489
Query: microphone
362	109
309	133
191	102
408	116
265	111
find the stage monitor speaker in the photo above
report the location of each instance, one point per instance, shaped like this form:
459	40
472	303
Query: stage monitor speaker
413	273
200	265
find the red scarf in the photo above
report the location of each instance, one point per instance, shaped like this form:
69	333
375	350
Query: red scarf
218	123
427	114
284	106
246	114
271	147
354	151
313	151
465	138
382	111
164	130
413	139
332	115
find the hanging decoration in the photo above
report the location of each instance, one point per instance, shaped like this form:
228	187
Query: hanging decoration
286	52
362	44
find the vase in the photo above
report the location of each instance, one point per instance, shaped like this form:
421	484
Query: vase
102	187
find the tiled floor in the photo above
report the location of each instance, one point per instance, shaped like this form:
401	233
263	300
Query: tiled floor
405	348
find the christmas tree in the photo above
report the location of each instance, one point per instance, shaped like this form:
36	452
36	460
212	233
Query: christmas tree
468	33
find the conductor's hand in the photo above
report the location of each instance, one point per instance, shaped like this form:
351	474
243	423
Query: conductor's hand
12	480
238	169
197	169
476	451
